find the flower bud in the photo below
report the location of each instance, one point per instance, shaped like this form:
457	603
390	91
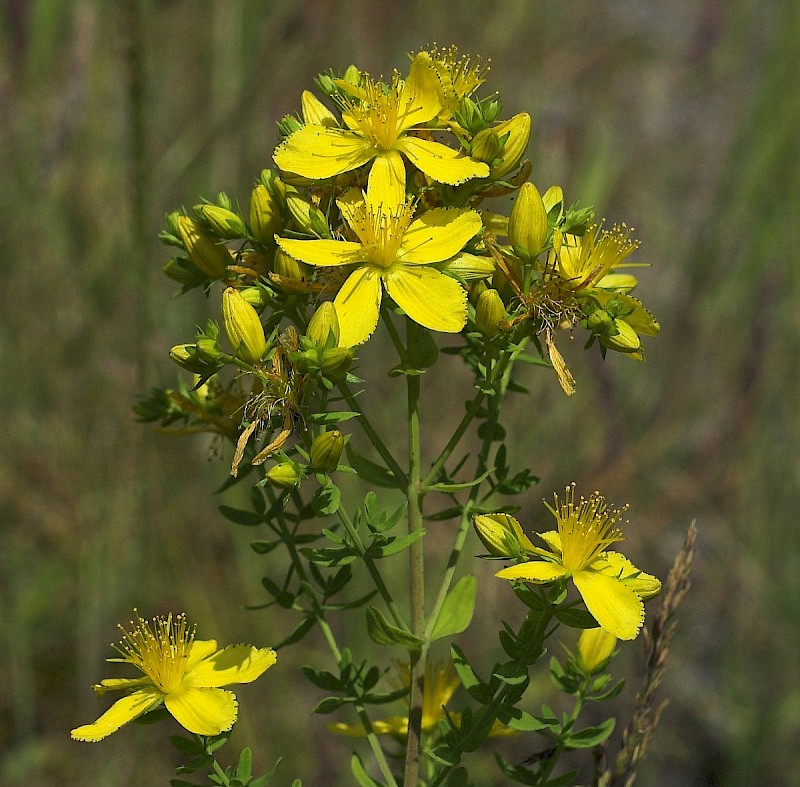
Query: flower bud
518	129
208	350
323	324
306	217
285	475
183	271
595	647
502	535
335	362
243	326
626	340
188	357
326	450
288	267
554	203
265	214
489	312
222	221
257	297
486	146
469	267
205	251
527	225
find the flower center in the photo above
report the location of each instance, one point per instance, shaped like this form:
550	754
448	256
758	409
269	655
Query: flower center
459	77
380	114
160	651
381	230
592	256
586	528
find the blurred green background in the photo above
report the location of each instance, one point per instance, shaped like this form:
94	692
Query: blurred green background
680	118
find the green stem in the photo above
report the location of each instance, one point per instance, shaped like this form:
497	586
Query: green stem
416	564
373	570
372	434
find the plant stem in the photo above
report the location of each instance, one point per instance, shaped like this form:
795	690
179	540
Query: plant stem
416	564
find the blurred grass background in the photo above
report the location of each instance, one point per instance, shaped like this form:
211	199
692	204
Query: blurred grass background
680	118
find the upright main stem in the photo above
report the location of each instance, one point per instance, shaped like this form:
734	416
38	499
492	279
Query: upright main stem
416	565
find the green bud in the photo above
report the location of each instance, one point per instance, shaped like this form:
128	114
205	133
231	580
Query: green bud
476	289
486	146
352	75
265	214
288	125
600	322
188	357
469	116
183	271
206	252
257	297
285	475
326	84
208	350
288	267
222	222
489	312
335	362
502	535
326	450
554	203
625	340
306	216
527	225
323	325
243	326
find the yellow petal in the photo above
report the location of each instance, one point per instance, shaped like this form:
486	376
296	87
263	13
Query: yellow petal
120	684
387	179
320	152
534	571
234	664
315	112
437	235
553	539
201	649
440	162
617	565
428	297
121	712
323	252
614	605
203	711
357	305
420	93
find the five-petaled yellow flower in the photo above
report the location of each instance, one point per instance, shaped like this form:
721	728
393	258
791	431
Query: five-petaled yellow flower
183	673
612	588
378	119
393	251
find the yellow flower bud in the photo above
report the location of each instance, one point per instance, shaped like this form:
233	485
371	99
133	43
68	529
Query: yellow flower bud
527	225
205	251
489	312
595	647
326	450
324	322
469	267
243	326
518	129
554	199
288	267
500	533
315	112
223	222
306	217
285	475
265	214
336	361
188	357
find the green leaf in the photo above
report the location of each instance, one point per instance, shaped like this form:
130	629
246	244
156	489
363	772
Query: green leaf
264	547
575	618
336	417
371	473
244	768
590	736
395	545
362	777
328	705
457	609
477	689
522	721
240	517
384	633
458	778
327	499
299	631
457	487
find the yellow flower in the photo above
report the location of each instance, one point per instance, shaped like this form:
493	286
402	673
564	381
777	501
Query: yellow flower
393	252
181	672
378	121
458	76
587	261
612	588
441	682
